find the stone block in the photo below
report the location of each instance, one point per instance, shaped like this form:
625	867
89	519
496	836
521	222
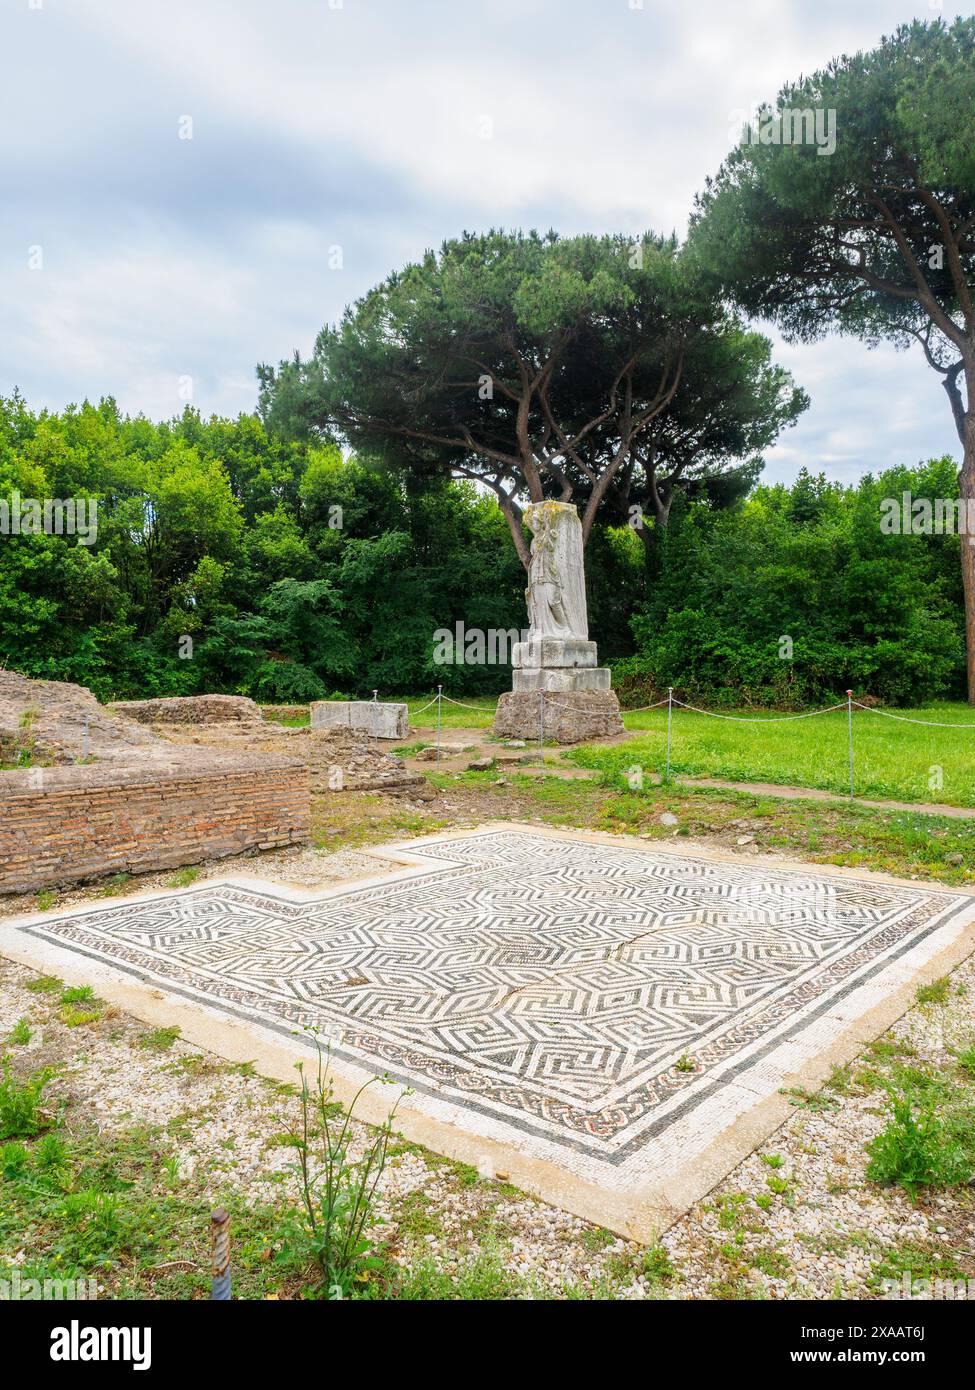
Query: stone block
372	717
573	719
563	681
554	651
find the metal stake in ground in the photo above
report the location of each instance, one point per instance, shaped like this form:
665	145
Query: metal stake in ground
670	711
220	1254
541	728
849	720
439	708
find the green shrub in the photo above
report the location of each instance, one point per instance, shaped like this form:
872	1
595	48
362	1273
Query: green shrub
20	1102
916	1149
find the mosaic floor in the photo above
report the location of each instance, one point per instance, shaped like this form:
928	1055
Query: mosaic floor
605	1006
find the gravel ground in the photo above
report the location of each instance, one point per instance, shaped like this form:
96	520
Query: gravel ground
821	1233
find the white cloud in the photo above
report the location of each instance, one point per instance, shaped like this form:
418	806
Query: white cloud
361	127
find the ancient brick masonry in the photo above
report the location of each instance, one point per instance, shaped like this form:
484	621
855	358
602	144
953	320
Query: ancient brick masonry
87	821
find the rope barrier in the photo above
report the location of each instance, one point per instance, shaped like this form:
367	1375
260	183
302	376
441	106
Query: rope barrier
478	709
903	719
849	704
759	719
415	712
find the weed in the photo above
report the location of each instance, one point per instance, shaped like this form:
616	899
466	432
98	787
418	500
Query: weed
915	1151
45	984
78	994
936	993
184	878
20	1102
159	1039
966	1060
337	1191
20	1034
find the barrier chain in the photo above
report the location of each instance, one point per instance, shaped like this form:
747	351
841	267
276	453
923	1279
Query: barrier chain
849	704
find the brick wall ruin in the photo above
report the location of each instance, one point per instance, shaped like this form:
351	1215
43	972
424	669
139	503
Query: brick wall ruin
84	822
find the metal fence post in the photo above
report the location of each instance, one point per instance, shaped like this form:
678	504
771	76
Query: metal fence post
439	716
220	1254
849	720
670	711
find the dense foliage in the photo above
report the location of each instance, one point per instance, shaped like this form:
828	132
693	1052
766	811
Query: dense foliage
875	612
212	530
295	573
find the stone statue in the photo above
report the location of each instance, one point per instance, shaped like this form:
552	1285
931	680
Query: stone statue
556	593
557	690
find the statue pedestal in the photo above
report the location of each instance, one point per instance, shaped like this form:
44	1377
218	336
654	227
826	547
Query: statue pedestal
556	683
558	691
570	716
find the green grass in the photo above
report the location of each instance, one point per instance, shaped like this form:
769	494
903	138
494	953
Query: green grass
159	1039
184	878
21	1115
453	716
105	1207
892	761
21	1033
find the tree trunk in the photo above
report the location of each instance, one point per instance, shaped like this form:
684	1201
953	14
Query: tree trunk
966	485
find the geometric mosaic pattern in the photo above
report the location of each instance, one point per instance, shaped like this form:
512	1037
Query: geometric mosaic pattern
556	987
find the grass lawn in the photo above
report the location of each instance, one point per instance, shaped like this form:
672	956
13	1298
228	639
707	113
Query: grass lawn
904	762
470	712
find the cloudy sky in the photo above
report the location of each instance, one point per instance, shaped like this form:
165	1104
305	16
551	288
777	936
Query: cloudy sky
143	264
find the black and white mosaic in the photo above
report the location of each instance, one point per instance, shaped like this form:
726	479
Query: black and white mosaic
577	998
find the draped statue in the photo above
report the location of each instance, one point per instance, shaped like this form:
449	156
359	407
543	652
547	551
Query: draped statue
556	593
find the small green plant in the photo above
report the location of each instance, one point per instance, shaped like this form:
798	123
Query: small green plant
596	1238
114	885
184	878
79	1006
656	1264
811	1100
337	1190
685	1062
915	1151
840	1080
772	1263
46	900
78	994
21	1034
13	1161
45	984
936	993
20	1102
159	1039
966	1060
773	1160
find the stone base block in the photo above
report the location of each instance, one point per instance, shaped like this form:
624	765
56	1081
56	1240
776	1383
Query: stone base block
572	718
370	717
564	681
553	651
